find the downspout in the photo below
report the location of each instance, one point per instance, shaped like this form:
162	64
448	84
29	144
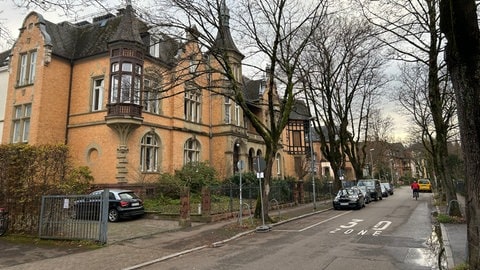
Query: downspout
69	101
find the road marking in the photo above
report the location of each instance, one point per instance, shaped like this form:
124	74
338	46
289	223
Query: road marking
383	223
377	228
316	224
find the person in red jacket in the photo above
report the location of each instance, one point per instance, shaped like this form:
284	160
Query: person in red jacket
415	187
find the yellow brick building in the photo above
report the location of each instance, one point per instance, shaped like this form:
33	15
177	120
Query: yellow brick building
125	105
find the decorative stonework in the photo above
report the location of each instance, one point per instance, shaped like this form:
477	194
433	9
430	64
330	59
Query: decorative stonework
123	131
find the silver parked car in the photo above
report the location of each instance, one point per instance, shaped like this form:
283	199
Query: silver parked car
388	186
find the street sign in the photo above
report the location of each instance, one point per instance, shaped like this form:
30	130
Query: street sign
259	164
240	165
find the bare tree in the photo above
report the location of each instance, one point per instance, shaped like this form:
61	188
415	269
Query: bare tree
342	76
380	127
413	96
459	23
67	7
276	32
411	30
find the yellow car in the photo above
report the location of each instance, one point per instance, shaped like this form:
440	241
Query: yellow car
425	185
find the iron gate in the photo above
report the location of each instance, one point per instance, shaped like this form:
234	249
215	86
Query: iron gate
74	217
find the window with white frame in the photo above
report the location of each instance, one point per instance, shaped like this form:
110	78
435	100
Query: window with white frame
21	123
126	82
26	68
238	115
151	96
97	94
278	160
192	68
192	106
228	105
149	153
154	49
237	72
191	151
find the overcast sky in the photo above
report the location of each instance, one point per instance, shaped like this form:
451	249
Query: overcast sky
11	17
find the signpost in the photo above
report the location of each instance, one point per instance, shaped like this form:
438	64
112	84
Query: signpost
259	166
240	166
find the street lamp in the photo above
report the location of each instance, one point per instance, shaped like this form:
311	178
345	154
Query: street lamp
371	162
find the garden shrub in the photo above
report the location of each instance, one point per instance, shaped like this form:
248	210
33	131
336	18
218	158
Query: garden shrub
28	172
196	175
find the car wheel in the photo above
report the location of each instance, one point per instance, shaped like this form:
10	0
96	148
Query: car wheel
113	215
380	197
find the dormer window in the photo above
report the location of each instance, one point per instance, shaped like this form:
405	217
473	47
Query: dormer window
154	49
193	65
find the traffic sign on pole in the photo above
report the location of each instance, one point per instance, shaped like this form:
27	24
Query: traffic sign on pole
259	164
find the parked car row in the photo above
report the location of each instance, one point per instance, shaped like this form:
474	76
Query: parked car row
363	193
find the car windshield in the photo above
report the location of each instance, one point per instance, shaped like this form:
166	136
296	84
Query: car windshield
423	181
365	183
127	195
346	192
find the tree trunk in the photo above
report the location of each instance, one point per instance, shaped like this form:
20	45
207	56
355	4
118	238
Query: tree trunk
266	182
469	119
458	20
437	109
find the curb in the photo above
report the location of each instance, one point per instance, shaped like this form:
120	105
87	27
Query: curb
446	246
216	244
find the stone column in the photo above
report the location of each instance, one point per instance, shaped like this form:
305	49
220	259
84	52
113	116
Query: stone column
293	186
184	220
206	201
301	193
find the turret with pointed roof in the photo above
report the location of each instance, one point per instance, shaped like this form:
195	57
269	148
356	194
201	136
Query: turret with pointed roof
224	38
127	30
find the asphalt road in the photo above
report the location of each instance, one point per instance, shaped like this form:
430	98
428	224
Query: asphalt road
395	233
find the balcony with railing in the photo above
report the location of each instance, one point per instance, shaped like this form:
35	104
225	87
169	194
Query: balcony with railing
124	113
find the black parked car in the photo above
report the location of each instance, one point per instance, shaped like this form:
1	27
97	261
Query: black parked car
389	187
374	186
384	191
122	204
349	198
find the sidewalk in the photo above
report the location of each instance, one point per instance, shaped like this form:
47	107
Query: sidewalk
144	249
454	237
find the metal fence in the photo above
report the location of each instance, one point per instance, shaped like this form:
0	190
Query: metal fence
225	198
74	217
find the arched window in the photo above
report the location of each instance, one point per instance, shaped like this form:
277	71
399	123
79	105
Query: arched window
191	152
251	155
149	153
152	95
